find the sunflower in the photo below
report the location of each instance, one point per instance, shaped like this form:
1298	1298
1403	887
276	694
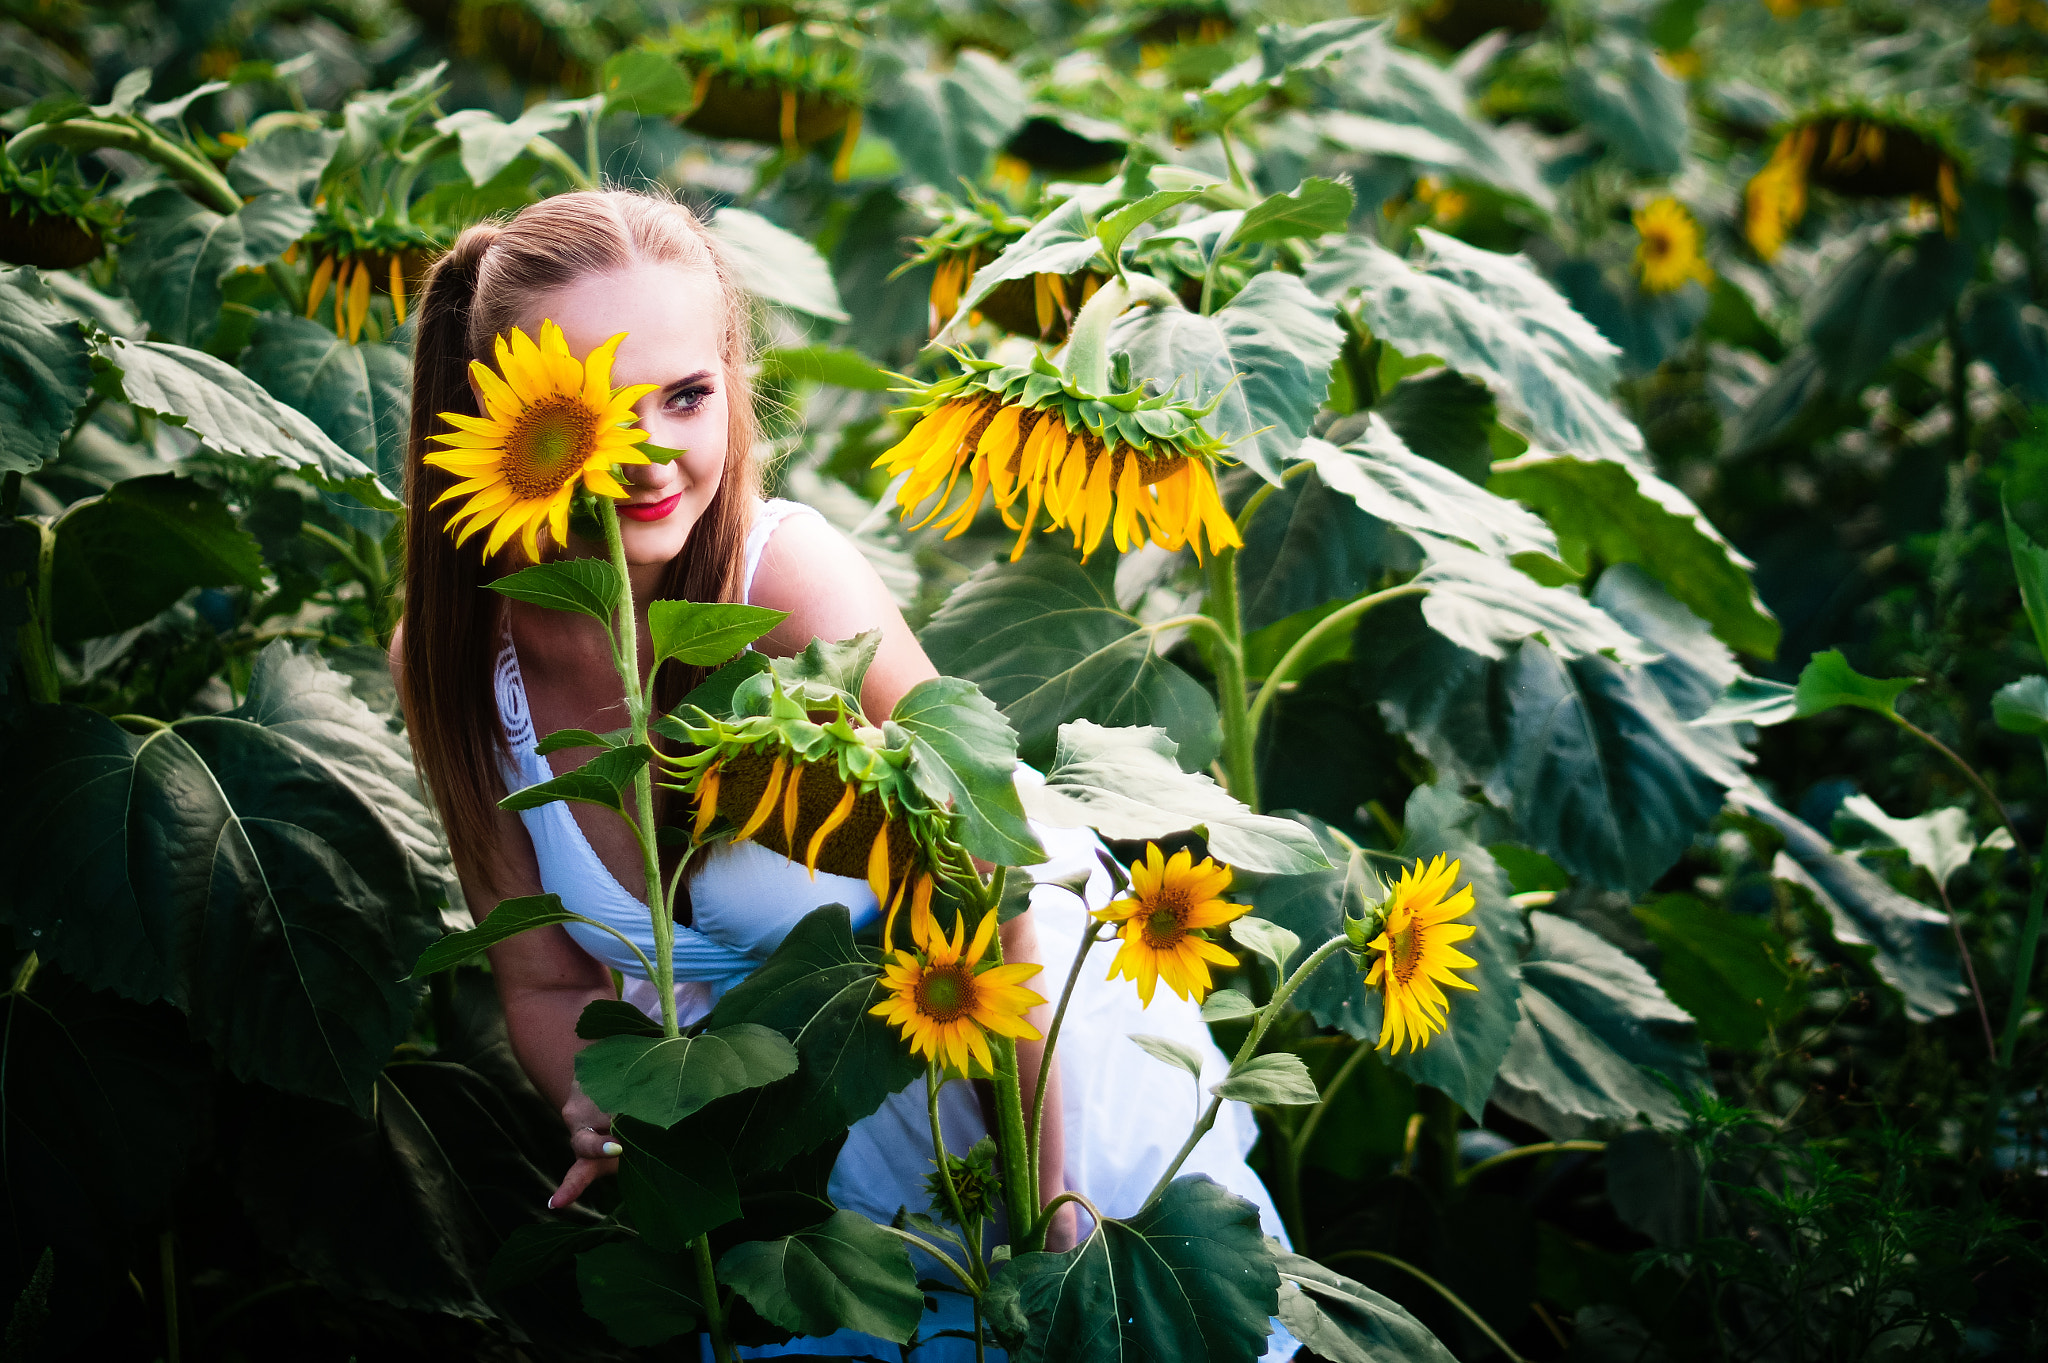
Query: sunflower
836	795
1172	901
1668	253
946	1001
548	421
1121	463
1416	952
1776	199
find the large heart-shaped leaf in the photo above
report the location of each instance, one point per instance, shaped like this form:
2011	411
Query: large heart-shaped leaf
181	252
289	161
229	411
1187	1279
816	990
1347	1322
360	395
945	125
1268	353
1387	480
1043	637
44	372
643	1295
1487	606
846	1273
662	1080
489	144
1592	1022
1623	93
964	752
677	1183
1732	971
137	547
1126	784
776	265
247	877
1405	90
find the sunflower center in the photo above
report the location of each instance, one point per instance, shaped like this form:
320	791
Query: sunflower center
548	445
1165	924
1657	243
1406	952
945	993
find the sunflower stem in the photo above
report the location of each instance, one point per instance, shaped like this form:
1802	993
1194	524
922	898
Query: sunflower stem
1052	1039
707	1287
1260	1022
1240	757
1316	633
932	1085
1086	361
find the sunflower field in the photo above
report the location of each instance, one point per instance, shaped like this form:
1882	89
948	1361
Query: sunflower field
1520	524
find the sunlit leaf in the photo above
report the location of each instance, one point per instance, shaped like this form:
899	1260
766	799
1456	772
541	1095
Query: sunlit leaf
44	373
964	752
662	1080
844	1274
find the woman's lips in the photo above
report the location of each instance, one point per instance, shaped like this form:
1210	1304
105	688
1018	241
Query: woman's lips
649	511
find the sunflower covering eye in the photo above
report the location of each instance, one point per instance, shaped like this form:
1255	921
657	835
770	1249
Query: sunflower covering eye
801	774
1173	900
1416	933
946	1002
549	420
1133	467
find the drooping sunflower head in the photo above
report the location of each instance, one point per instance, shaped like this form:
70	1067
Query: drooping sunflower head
550	421
1416	952
968	235
1164	921
359	255
1858	153
1776	198
798	770
946	1001
1668	247
1133	466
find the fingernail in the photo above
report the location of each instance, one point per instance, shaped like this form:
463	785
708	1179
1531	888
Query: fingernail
614	1148
551	1204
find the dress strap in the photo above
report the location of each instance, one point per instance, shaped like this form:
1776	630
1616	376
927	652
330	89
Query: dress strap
771	513
510	689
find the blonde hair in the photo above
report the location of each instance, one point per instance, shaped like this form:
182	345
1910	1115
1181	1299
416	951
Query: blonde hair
477	291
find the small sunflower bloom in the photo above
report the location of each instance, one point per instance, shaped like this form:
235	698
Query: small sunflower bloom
549	421
1668	247
946	1002
1162	922
1122	466
1416	933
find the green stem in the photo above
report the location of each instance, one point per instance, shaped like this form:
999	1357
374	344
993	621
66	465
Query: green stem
35	641
1260	1022
2023	967
1316	633
593	165
347	553
1036	1238
135	136
1052	1039
707	1287
1955	926
1240	757
932	1087
1020	1186
1442	1291
1530	1152
167	1255
1264	491
2019	845
1085	362
951	1264
546	150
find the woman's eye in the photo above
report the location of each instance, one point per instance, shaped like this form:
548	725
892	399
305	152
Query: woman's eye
689	400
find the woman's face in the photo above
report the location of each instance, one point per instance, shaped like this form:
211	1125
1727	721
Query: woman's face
673	319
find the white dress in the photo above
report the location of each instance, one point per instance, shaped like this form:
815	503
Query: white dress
1125	1113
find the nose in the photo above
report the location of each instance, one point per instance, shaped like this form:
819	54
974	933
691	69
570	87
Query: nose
643	475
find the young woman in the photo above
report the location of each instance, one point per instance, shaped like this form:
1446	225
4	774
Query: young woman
483	677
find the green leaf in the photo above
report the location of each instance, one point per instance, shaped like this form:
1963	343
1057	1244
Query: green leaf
1731	971
846	1273
1310	548
649	83
842	666
705	634
1285	49
2030	566
1751	700
1909	944
139	546
1629	515
1616	86
1225	1004
664	1079
1268	939
1592	1021
603	780
1268	353
714	694
962	750
776	265
1490	316
565	739
1827	681
825	364
1118	224
1346	1322
1062	242
227	410
1882	299
1126	784
643	1296
1486	606
1167	1051
1278	1078
677	1183
587	586
287	161
1388	481
234	870
44	372
360	395
181	251
816	990
1404	88
1446	417
2021	707
508	920
489	144
533	1250
1313	208
945	125
411	1202
1938	842
1188	1278
1043	638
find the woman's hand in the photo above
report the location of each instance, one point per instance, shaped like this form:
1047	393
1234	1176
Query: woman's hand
590	1137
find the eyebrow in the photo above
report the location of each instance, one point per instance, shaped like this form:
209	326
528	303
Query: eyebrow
686	381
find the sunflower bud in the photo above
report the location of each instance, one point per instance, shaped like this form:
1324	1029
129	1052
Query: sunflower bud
975	1182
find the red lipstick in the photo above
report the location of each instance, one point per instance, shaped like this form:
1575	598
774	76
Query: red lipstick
650	511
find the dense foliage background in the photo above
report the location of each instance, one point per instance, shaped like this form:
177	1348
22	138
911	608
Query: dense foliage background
1669	344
